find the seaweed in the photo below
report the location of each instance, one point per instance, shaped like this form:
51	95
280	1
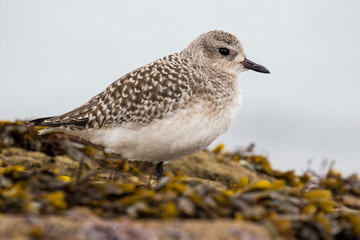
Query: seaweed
54	174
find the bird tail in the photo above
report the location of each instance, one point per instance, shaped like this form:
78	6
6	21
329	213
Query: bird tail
56	125
38	122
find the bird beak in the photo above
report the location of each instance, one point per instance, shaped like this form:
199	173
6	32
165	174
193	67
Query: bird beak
253	66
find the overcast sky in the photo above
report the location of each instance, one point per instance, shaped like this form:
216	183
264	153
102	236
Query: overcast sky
55	55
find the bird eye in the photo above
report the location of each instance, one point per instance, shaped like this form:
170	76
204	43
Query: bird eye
224	51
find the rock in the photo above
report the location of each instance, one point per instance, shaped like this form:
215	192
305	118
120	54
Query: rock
204	165
28	159
67	228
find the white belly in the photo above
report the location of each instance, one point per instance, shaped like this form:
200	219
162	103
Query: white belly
187	131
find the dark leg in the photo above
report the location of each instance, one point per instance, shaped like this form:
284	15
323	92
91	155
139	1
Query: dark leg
159	170
79	171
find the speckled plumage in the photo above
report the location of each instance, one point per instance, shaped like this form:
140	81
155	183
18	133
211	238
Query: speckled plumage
167	109
139	97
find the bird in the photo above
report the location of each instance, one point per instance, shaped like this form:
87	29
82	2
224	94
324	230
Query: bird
167	109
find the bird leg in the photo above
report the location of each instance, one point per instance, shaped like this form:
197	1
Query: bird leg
79	171
159	170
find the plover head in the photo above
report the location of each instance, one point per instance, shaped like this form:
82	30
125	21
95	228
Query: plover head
223	52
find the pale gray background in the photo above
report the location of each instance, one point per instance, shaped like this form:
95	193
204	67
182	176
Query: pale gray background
55	55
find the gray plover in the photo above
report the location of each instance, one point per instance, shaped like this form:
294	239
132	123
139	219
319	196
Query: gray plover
167	109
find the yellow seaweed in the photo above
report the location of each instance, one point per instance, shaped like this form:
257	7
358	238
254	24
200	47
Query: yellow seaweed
317	194
262	162
57	199
64	178
243	182
266	185
168	210
219	148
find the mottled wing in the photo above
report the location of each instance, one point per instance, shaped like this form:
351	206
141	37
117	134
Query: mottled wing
148	93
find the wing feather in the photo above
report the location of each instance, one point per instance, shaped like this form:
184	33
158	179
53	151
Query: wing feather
142	96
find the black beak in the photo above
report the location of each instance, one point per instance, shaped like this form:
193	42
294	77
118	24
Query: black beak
253	66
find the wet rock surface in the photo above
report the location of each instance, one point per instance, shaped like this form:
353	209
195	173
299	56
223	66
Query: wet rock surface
58	186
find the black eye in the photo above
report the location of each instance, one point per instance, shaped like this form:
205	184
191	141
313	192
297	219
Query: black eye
224	51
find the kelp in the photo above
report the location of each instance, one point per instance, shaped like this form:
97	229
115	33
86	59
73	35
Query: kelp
52	174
